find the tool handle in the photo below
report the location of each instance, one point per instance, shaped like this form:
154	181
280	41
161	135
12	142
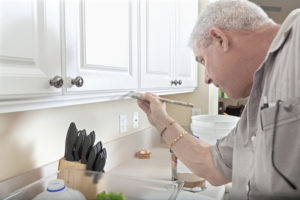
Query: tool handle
164	100
176	102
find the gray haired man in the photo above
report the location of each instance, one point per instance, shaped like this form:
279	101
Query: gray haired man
245	54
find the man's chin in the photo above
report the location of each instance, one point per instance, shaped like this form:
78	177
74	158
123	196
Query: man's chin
234	95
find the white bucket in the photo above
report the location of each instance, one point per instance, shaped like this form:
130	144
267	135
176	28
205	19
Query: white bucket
212	127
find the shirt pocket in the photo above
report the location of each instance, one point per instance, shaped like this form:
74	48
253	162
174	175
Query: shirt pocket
286	145
289	112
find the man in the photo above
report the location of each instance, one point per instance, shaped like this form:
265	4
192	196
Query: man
245	53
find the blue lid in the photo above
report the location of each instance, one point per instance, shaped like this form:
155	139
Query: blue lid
196	136
56	185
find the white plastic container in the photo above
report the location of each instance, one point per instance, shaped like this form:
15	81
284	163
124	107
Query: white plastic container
57	190
210	128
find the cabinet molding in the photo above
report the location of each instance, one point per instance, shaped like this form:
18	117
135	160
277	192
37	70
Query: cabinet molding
32	103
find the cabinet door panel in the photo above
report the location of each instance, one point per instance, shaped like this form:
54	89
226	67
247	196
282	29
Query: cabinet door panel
101	44
30	47
186	66
157	43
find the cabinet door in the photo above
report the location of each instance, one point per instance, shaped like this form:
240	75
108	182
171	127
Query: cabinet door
101	44
157	43
30	48
186	66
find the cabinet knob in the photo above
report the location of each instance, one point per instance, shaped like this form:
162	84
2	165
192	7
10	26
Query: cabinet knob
180	82
57	81
78	81
174	82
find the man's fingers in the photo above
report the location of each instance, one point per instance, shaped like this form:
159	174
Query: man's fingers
144	106
151	97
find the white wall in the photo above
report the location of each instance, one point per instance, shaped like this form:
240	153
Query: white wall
34	138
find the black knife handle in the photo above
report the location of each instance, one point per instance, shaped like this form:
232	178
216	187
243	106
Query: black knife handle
70	141
85	149
93	137
100	161
99	165
91	159
78	145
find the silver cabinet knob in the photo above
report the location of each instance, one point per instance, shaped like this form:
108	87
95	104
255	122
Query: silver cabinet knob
78	81
57	81
174	82
180	82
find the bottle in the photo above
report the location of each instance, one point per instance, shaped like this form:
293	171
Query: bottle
57	190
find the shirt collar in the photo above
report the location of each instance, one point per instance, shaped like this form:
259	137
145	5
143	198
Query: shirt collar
281	36
284	30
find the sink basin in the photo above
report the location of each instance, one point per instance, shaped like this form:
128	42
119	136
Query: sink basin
184	195
91	183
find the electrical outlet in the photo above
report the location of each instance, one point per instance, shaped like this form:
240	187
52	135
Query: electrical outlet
135	120
123	123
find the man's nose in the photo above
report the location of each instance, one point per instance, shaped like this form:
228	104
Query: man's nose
207	79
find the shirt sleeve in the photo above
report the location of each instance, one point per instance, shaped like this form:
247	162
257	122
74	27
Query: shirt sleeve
222	153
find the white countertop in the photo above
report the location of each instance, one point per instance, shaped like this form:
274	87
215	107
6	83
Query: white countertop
159	167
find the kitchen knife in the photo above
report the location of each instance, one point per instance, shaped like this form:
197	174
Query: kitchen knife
93	137
70	142
99	146
100	161
87	144
91	158
78	145
81	147
99	165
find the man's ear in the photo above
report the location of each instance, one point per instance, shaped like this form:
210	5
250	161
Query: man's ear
219	37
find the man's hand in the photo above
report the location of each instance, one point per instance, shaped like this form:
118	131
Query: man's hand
192	152
155	110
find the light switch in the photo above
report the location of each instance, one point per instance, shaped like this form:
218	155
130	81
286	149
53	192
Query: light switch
135	120
123	123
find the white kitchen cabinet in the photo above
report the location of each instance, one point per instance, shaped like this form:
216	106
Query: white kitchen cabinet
101	44
29	48
157	43
112	46
166	60
185	63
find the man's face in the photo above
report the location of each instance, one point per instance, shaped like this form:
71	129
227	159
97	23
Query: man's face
223	69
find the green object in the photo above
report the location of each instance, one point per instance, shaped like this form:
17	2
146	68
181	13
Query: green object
110	196
222	94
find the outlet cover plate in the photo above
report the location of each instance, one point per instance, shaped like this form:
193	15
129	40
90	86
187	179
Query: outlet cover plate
135	120
123	123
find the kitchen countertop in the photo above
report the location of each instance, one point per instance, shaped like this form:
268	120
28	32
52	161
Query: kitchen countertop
122	161
159	167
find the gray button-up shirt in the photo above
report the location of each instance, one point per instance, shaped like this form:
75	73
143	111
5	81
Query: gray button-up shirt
244	156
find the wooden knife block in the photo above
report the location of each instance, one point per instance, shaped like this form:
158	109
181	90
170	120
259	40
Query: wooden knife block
64	164
78	179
